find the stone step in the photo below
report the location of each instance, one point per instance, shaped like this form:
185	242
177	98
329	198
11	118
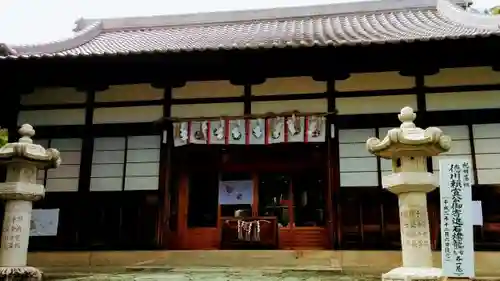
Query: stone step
228	258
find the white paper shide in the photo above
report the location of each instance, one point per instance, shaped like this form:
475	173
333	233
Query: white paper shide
456	218
257	134
237	134
276	130
295	127
198	132
316	128
218	131
181	133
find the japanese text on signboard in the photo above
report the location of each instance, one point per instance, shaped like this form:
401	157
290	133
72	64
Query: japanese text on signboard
456	218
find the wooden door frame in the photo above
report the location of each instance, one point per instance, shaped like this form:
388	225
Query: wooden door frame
182	209
179	236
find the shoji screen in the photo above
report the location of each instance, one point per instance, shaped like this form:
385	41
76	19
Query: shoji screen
143	163
357	166
65	178
108	161
122	163
385	164
487	148
460	146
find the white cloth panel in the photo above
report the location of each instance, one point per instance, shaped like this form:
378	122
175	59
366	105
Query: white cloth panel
143	163
460	146
64	178
357	166
487	148
108	161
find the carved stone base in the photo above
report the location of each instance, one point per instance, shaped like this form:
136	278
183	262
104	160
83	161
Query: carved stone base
22	273
413	274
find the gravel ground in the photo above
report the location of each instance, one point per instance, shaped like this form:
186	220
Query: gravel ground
223	276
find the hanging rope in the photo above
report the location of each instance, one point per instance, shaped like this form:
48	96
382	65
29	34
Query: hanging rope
247	116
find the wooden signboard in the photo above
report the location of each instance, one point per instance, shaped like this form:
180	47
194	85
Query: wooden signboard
457	238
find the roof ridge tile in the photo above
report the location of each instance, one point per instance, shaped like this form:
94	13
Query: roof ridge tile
363	28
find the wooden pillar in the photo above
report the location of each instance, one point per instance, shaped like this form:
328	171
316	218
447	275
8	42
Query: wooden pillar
182	222
255	194
333	183
85	224
433	205
163	228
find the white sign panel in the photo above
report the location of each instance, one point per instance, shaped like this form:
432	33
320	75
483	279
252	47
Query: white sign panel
457	238
477	213
44	222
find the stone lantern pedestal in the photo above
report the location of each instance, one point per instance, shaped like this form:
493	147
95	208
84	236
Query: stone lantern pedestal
409	147
23	159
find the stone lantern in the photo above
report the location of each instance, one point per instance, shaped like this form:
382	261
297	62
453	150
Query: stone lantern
409	147
23	159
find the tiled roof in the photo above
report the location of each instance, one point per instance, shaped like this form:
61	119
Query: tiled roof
362	23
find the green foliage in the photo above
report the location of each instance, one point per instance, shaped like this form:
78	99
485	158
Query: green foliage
495	10
4	137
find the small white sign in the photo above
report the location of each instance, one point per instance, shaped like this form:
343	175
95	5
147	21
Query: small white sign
457	237
477	213
44	222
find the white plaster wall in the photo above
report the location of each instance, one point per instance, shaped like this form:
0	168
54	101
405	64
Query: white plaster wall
131	114
207	89
136	92
375	104
52	117
54	96
207	110
462	100
463	76
310	105
375	81
289	85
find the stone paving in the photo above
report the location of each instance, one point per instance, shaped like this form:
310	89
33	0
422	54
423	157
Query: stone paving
224	276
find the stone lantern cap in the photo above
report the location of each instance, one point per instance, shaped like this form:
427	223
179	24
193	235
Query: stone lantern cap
409	140
26	151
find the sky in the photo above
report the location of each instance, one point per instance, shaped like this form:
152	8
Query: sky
38	21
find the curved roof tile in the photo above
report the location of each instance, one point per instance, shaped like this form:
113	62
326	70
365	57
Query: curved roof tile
401	21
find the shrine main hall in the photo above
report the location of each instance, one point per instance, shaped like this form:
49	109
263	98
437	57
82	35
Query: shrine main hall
169	127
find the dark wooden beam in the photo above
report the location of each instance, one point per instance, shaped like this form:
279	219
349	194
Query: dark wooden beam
163	232
333	186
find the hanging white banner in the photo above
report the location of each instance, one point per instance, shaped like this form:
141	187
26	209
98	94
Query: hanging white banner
316	129
218	131
275	127
272	130
457	236
257	134
198	132
181	133
237	131
295	127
